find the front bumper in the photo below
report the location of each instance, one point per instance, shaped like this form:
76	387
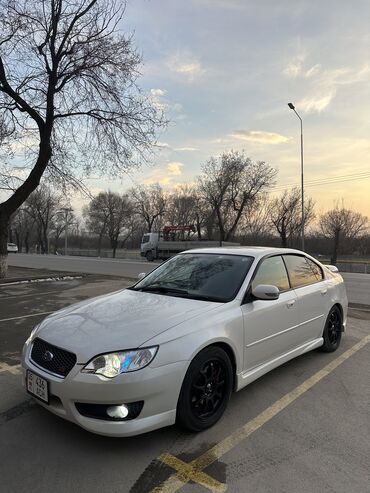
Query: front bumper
159	388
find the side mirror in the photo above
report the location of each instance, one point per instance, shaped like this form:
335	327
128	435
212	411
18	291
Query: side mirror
266	292
141	276
333	268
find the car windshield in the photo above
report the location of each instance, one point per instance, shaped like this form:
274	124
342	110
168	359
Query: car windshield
145	239
211	277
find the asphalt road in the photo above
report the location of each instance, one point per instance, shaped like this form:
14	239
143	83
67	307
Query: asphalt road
318	443
358	285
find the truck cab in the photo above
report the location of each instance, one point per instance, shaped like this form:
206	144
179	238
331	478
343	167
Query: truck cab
149	244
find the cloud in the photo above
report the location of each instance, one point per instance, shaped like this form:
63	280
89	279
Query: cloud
314	70
323	84
165	174
174	168
316	103
185	65
186	149
258	136
294	67
157	93
162	145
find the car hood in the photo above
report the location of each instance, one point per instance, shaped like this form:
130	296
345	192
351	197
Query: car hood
121	320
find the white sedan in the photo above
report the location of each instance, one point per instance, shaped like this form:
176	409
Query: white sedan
173	347
12	248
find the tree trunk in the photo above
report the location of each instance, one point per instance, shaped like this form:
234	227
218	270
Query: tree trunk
283	239
99	244
4	225
26	244
335	248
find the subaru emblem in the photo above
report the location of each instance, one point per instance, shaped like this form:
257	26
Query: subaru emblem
47	356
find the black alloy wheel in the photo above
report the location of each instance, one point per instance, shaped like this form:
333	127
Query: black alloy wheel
206	390
333	330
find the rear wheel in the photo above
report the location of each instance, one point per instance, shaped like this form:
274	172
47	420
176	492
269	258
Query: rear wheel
206	390
333	330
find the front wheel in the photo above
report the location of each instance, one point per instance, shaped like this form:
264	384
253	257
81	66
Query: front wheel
206	390
333	331
149	256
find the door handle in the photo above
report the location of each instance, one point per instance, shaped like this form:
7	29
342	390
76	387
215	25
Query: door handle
290	303
324	291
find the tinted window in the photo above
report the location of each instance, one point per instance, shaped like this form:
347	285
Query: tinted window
272	271
145	239
315	269
301	272
200	275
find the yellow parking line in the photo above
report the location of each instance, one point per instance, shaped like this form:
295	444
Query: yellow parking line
178	480
186	472
14	369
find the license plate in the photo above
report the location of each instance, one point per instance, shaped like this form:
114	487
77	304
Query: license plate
37	386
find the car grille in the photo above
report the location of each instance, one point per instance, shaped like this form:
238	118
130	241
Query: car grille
52	358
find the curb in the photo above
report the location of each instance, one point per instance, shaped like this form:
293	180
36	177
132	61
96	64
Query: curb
51	277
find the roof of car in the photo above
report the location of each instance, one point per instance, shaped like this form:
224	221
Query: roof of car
254	251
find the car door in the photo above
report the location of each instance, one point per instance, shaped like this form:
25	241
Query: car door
307	279
268	324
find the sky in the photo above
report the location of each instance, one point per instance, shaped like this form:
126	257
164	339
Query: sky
224	71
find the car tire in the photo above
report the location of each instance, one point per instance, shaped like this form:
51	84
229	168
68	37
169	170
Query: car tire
206	390
149	256
333	330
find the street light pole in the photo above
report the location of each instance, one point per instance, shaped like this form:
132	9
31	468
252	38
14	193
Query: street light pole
66	210
292	107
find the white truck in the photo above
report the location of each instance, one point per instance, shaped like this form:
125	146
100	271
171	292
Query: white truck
155	246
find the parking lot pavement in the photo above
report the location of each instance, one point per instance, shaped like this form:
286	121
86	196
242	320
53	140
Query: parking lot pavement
357	285
297	429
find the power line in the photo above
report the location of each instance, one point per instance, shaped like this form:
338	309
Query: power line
326	181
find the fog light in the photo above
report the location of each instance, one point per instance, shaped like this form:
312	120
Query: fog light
117	412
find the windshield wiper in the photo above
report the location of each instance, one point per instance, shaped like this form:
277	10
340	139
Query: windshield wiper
157	288
162	289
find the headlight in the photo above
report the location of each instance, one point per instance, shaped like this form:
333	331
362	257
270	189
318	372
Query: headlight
112	364
32	335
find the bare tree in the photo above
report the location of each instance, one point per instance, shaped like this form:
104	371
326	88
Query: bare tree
64	218
150	203
22	225
231	183
43	206
110	214
286	215
256	220
339	224
96	217
186	207
120	213
68	93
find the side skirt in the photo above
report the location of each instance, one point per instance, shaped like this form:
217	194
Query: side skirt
249	376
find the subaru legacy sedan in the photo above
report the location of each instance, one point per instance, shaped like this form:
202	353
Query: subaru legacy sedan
173	347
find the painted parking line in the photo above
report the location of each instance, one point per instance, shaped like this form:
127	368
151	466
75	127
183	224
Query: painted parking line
25	316
187	472
13	369
9	297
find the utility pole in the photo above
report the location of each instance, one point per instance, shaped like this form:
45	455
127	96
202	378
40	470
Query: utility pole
66	210
292	107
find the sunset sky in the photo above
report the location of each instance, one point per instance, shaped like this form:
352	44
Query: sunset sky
225	71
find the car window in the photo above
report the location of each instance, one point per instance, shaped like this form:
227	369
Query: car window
301	272
316	269
217	276
272	271
145	239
